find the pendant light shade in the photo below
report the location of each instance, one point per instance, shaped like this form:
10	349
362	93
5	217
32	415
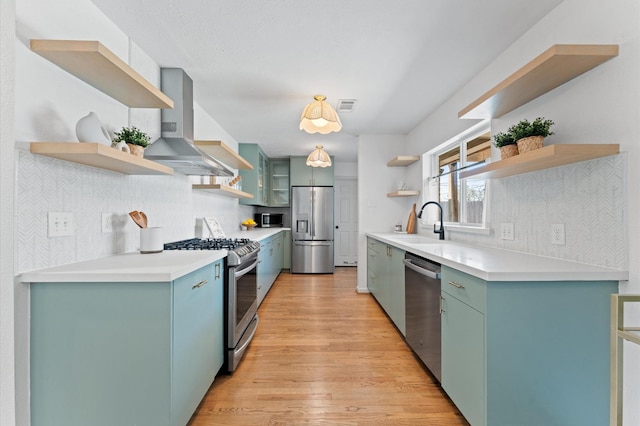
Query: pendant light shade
319	158
320	117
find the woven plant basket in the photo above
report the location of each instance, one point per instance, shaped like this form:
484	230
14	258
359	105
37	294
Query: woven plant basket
136	150
507	151
530	143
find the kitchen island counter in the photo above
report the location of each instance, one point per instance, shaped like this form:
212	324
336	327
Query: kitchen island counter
492	264
128	267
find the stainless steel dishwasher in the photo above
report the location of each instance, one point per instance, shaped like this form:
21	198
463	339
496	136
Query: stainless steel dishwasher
422	300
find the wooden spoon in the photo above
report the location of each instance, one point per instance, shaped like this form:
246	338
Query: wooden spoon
144	219
137	218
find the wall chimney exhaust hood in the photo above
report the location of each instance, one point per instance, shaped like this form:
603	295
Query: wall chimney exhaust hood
175	148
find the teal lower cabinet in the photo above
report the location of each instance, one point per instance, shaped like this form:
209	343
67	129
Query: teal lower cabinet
385	280
286	249
526	353
125	353
270	263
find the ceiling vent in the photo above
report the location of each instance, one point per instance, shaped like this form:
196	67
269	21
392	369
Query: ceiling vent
346	105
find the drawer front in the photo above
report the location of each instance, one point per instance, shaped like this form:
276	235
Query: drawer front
464	287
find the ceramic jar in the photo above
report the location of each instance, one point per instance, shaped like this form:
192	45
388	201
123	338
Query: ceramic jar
90	129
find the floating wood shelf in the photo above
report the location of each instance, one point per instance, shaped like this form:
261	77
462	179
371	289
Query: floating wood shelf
543	158
403	160
100	156
554	67
222	152
96	65
403	194
225	190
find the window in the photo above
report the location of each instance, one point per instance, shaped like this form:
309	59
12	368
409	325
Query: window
462	200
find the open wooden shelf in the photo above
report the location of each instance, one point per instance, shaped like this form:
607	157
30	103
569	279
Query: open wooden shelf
225	190
554	67
543	158
403	160
222	152
93	63
403	194
100	156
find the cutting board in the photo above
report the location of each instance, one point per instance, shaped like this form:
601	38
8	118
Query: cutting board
411	223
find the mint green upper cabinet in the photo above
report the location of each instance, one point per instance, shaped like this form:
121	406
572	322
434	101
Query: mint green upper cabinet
303	175
279	172
125	352
256	181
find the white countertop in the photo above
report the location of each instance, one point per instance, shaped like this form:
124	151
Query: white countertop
136	267
129	267
493	264
257	234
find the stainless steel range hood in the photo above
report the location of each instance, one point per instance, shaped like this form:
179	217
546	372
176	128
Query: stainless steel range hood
176	148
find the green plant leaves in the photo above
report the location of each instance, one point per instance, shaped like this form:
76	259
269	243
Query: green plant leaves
133	135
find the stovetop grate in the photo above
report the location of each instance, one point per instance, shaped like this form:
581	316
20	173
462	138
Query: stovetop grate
208	244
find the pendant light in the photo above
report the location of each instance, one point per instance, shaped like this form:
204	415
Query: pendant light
320	117
319	158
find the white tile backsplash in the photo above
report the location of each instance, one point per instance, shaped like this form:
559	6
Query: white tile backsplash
587	197
45	185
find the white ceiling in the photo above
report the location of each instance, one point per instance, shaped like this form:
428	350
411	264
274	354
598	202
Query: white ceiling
256	63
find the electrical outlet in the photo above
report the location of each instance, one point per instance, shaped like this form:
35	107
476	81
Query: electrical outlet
108	221
506	231
557	233
60	224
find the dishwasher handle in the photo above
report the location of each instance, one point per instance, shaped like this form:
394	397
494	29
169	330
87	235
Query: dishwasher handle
427	273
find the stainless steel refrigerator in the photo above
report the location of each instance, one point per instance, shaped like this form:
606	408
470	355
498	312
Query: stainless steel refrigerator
312	230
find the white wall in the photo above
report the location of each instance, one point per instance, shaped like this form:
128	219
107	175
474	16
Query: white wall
376	211
601	106
345	169
7	334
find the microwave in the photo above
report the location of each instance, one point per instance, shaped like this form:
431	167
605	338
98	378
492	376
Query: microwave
269	220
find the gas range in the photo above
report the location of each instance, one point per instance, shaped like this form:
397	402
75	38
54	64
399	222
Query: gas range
239	249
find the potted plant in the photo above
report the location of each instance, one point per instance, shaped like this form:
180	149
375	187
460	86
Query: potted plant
135	139
507	145
530	136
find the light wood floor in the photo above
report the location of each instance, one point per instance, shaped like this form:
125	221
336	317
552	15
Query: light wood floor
326	355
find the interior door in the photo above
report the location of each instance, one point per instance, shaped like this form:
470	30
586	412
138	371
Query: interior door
346	221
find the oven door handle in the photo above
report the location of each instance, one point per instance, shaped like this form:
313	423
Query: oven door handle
246	270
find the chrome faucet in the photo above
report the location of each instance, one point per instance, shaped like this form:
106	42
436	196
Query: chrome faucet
435	231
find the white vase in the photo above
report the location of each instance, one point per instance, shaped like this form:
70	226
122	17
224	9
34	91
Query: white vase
90	129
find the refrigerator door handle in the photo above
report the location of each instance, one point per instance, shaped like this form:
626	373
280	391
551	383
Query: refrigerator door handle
312	243
313	219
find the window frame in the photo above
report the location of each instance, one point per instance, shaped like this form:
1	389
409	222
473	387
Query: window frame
431	166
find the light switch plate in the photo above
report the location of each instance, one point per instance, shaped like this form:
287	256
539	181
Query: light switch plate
506	231
60	224
107	223
557	233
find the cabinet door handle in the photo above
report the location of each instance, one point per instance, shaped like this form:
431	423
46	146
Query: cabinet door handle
441	304
200	284
455	284
217	271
